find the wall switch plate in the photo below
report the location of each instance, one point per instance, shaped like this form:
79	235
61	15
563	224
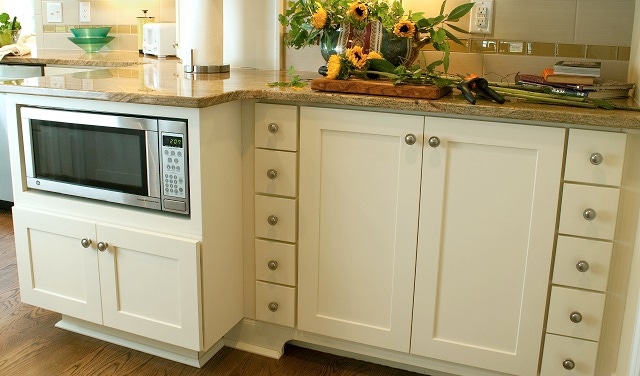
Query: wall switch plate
481	17
54	12
84	8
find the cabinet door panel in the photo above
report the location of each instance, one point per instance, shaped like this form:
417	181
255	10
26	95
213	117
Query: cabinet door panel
359	193
56	272
487	220
150	285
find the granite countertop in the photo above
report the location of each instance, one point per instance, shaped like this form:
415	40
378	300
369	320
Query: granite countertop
132	78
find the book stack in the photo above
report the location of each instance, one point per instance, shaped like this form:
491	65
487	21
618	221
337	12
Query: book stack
572	72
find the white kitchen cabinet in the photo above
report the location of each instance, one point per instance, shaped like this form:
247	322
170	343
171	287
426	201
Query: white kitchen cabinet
358	220
487	222
137	281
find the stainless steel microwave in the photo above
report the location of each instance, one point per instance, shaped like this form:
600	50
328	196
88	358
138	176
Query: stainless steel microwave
128	160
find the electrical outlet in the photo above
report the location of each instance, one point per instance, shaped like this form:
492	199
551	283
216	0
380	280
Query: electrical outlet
54	12
85	11
481	17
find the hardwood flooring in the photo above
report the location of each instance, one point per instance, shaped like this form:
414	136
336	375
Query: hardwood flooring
30	345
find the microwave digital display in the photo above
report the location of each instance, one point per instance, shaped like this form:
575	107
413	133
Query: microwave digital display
172	141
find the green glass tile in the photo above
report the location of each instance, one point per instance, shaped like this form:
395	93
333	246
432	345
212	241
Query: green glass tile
455	47
602	52
484	46
511	48
571	50
541	49
624	53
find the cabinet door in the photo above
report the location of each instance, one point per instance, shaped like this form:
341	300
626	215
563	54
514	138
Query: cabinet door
488	213
150	285
358	218
56	271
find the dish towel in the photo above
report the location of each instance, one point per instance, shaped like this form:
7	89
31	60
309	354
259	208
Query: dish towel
17	49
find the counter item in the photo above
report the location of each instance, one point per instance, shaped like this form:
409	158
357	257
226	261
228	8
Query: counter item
141	22
478	85
159	39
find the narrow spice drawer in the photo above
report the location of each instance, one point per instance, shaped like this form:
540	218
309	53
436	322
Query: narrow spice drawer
575	313
595	157
582	263
564	356
276	126
589	211
276	262
275	304
276	172
275	218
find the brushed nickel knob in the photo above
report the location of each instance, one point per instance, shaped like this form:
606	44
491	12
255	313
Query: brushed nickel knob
569	364
272	265
582	266
575	317
596	159
272	174
434	142
102	246
589	214
410	139
273	128
86	243
273	220
273	306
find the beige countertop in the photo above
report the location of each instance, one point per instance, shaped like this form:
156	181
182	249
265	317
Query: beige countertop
131	78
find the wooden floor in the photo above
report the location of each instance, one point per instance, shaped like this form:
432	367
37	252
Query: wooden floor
31	345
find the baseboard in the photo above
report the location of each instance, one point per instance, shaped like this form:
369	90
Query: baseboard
6	205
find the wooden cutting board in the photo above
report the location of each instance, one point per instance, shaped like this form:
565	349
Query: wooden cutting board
379	87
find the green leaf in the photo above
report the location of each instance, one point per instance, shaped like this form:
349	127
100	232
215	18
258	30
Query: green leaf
442	7
453	37
439	37
460	11
381	65
458	29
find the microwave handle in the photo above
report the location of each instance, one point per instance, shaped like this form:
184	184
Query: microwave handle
153	164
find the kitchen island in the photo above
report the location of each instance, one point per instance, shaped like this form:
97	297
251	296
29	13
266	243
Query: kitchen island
355	223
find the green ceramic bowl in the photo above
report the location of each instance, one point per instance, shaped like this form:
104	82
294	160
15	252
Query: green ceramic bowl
91	44
90	32
8	37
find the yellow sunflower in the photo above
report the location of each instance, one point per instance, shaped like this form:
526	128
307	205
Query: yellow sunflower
359	11
372	55
334	67
319	18
404	29
356	57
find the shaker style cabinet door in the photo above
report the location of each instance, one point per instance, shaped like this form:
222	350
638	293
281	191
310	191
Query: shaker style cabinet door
358	220
487	220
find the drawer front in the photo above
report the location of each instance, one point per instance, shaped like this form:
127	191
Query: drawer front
276	262
577	200
276	218
575	313
560	353
595	157
276	172
275	304
276	126
582	263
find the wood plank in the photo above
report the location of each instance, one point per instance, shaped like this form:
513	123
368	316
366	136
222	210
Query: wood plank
379	87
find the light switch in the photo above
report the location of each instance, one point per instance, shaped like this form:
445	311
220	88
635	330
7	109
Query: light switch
54	12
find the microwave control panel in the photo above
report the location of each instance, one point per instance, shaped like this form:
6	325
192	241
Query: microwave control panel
173	157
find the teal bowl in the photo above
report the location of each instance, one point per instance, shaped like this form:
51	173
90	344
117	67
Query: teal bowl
90	32
91	44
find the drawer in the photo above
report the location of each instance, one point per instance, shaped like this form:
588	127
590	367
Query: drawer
595	157
577	200
276	218
561	353
575	313
582	263
276	262
276	172
275	304
276	126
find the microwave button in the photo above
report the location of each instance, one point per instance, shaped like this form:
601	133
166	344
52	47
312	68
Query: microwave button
175	205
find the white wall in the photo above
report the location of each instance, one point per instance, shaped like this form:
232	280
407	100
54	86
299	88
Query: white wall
634	62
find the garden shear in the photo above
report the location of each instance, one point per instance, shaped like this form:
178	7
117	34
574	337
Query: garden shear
474	84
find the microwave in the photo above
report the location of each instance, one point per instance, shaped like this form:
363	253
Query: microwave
129	160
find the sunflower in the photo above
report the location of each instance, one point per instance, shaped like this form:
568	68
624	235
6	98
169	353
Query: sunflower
359	11
404	29
319	18
373	55
356	57
337	68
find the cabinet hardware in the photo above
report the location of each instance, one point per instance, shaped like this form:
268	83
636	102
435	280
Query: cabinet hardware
272	174
434	142
273	220
273	306
575	317
589	214
102	246
596	159
582	266
568	364
272	265
410	139
273	128
85	242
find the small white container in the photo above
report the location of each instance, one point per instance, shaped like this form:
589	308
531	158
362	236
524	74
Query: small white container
159	39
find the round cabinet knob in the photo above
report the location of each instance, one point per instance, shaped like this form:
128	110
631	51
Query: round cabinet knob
589	214
102	246
434	142
86	243
273	220
575	317
596	159
272	174
410	139
273	306
273	128
582	266
272	265
569	364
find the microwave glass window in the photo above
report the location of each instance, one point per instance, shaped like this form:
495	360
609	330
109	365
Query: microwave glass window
109	158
